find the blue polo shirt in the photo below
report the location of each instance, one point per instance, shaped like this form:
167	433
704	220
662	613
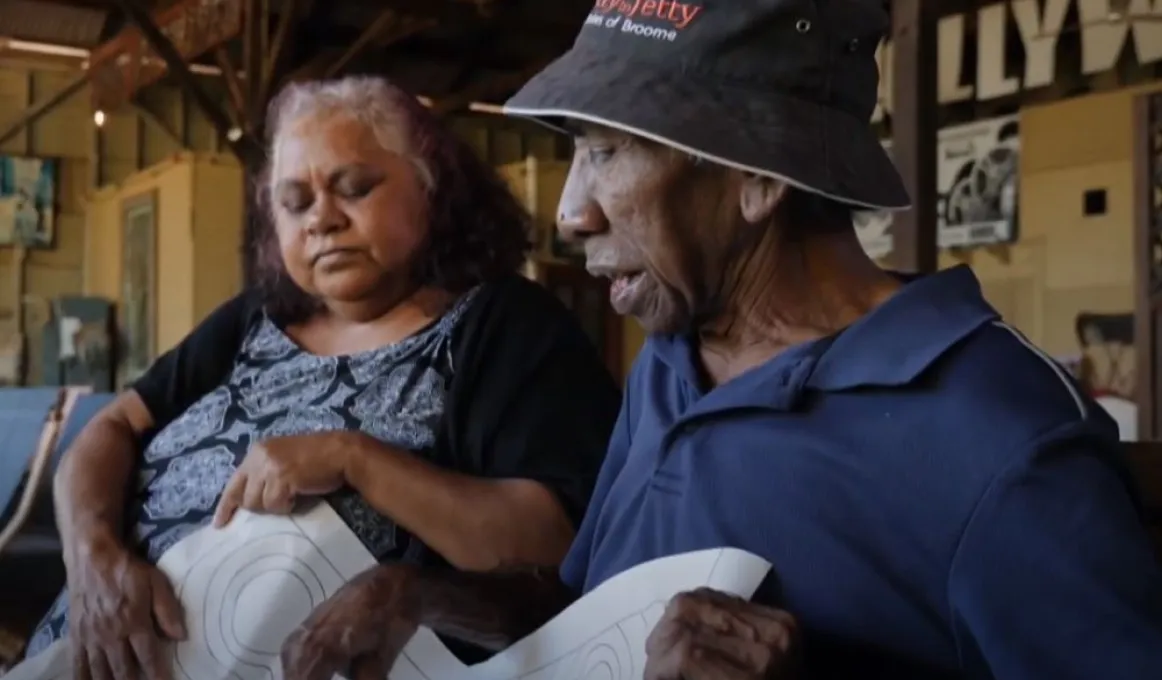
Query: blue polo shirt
937	497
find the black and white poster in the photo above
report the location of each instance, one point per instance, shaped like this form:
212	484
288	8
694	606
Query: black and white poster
976	175
977	172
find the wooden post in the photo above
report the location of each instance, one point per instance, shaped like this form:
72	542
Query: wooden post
1148	263
913	123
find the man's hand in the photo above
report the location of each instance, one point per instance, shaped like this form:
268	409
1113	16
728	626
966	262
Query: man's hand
708	635
279	470
358	632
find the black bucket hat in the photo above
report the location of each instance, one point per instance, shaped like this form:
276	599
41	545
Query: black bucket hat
783	88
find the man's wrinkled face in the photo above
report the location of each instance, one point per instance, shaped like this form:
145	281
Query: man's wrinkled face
656	223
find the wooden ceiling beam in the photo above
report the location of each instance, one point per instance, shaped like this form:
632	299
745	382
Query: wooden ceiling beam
248	151
486	89
276	57
44	107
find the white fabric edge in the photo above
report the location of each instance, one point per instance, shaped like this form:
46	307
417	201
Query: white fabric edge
1066	381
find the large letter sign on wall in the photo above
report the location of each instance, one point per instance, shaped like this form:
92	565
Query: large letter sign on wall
1103	35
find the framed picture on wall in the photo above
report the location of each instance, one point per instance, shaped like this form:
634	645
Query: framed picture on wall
138	285
28	191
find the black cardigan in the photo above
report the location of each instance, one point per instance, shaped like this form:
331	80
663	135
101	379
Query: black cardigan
529	398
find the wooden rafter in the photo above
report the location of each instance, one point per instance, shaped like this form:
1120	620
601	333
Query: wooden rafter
276	56
233	85
44	107
486	89
384	24
243	146
254	41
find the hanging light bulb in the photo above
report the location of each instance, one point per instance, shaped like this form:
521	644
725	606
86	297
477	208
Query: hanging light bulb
99	118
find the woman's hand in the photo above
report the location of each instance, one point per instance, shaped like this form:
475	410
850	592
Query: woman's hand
120	609
708	635
276	471
359	631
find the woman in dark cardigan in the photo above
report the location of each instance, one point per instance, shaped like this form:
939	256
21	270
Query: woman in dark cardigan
392	361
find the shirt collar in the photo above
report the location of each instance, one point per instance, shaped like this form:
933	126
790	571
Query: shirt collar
890	346
902	337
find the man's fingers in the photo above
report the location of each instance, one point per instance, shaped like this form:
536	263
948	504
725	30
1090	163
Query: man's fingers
302	661
121	660
690	661
231	499
150	657
98	665
370	667
81	663
748	654
167	610
664	636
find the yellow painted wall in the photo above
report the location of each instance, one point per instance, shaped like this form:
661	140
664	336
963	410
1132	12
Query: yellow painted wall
218	214
1064	262
127	143
199	229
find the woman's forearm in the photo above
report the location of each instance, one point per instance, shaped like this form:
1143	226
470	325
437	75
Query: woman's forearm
90	485
475	524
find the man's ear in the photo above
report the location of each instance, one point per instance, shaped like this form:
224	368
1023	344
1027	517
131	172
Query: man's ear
759	196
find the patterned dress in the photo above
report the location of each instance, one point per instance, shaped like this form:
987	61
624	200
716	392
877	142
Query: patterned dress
395	393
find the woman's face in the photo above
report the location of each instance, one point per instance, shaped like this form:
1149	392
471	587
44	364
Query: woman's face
351	216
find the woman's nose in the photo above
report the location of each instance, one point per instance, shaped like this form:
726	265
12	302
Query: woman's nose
326	218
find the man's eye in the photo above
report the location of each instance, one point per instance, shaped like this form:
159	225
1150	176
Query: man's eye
600	154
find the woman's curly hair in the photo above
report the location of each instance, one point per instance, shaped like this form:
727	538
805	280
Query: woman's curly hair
478	231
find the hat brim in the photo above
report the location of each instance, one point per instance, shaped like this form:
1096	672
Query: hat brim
807	145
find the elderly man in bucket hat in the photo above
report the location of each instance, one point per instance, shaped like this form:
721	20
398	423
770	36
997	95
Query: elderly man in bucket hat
937	497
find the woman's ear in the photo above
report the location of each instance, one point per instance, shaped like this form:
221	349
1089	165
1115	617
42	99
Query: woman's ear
759	197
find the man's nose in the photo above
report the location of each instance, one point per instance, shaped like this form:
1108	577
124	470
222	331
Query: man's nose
578	214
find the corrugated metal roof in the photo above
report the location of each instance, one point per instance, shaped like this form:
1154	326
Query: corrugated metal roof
36	20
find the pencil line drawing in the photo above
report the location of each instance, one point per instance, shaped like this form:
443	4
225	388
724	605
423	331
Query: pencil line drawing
246	587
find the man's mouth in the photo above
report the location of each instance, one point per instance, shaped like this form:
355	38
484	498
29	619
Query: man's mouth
621	283
625	290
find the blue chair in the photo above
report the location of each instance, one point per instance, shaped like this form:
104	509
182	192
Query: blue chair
24	413
33	558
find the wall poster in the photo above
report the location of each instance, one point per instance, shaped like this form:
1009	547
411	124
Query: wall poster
977	171
138	285
976	178
28	189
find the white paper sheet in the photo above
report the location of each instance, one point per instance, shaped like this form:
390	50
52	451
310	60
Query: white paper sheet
245	587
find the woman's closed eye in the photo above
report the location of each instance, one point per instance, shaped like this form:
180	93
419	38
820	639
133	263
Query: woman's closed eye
295	200
356	188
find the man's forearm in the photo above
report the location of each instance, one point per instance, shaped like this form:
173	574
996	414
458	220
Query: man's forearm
490	610
89	488
475	524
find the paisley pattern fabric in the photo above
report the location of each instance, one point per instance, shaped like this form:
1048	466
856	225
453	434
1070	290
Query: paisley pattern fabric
395	393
